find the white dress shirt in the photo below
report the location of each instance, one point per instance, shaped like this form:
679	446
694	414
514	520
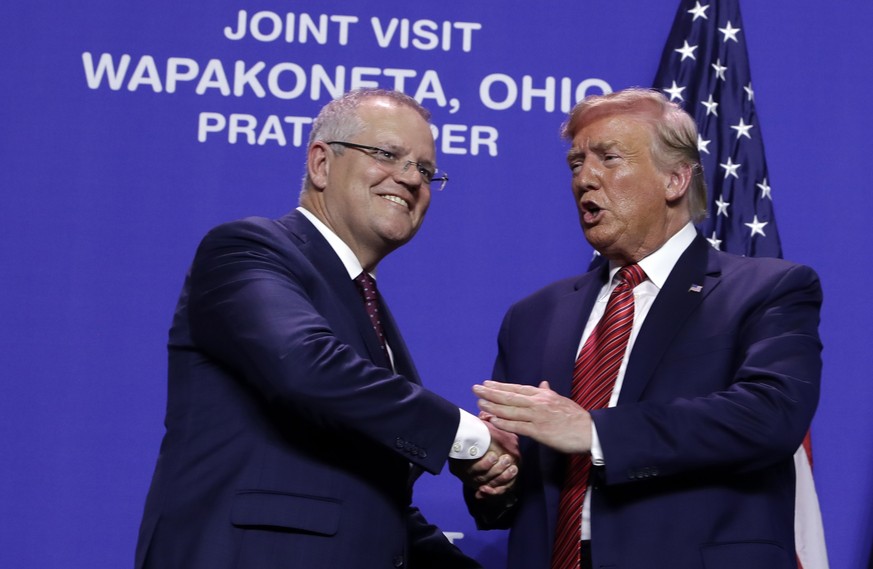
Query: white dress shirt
657	267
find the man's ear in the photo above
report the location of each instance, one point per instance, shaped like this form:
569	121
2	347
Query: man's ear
318	165
678	183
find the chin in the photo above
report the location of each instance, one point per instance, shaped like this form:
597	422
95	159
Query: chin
596	236
397	238
605	247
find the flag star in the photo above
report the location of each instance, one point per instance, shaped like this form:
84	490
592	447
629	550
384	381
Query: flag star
717	79
714	241
756	227
730	33
699	11
722	207
743	129
730	169
675	92
719	69
711	106
765	190
686	51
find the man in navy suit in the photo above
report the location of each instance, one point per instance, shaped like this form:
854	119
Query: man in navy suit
691	456
293	434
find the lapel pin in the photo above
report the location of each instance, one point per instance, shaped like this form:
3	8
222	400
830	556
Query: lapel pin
695	288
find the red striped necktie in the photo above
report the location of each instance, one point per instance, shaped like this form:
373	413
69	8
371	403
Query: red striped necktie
593	381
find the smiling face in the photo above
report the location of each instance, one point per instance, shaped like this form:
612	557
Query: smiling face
372	207
628	205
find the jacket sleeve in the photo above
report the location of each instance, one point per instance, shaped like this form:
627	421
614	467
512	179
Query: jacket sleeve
430	549
258	306
736	393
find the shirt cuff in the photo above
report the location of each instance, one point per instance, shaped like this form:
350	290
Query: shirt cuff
596	451
472	439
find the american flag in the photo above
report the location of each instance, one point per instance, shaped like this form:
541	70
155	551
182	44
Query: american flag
705	68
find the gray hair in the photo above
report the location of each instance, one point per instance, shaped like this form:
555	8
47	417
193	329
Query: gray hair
675	140
339	119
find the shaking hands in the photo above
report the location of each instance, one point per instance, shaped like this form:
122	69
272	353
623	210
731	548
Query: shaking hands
509	410
494	474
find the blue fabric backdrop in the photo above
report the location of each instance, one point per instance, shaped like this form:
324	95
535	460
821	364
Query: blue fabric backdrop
111	174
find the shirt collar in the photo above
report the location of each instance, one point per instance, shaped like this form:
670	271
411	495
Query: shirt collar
659	264
343	251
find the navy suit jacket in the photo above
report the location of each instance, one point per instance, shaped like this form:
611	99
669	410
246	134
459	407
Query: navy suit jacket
286	445
720	389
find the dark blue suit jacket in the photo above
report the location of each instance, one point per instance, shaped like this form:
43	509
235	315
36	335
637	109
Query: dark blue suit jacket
285	445
720	388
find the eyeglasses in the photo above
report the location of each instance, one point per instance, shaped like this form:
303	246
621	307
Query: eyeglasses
391	162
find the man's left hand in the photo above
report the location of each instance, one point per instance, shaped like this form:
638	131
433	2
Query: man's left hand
537	412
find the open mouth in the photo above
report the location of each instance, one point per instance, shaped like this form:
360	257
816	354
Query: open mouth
590	212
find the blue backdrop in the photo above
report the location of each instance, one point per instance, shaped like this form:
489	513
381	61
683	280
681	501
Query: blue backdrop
127	129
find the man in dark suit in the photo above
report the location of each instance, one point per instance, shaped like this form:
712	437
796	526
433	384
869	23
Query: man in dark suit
688	453
293	433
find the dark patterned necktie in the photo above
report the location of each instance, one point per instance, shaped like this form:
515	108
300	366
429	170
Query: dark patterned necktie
367	287
593	381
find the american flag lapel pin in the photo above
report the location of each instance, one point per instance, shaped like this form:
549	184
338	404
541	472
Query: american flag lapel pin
695	288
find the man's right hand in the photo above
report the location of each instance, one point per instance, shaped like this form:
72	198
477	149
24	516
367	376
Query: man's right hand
495	473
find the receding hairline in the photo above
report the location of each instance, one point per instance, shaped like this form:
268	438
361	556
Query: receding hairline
391	99
378	103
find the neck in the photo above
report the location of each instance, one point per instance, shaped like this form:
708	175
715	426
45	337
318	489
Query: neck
367	257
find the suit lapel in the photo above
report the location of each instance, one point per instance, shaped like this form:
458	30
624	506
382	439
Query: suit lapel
695	275
322	256
571	315
403	364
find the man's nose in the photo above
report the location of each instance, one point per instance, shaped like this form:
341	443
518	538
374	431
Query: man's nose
586	178
409	174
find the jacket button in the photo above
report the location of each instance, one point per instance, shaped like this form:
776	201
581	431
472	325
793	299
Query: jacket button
398	561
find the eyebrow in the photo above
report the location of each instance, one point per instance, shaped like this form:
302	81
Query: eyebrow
597	147
398	149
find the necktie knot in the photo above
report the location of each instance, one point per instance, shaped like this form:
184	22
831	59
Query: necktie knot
632	275
367	286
